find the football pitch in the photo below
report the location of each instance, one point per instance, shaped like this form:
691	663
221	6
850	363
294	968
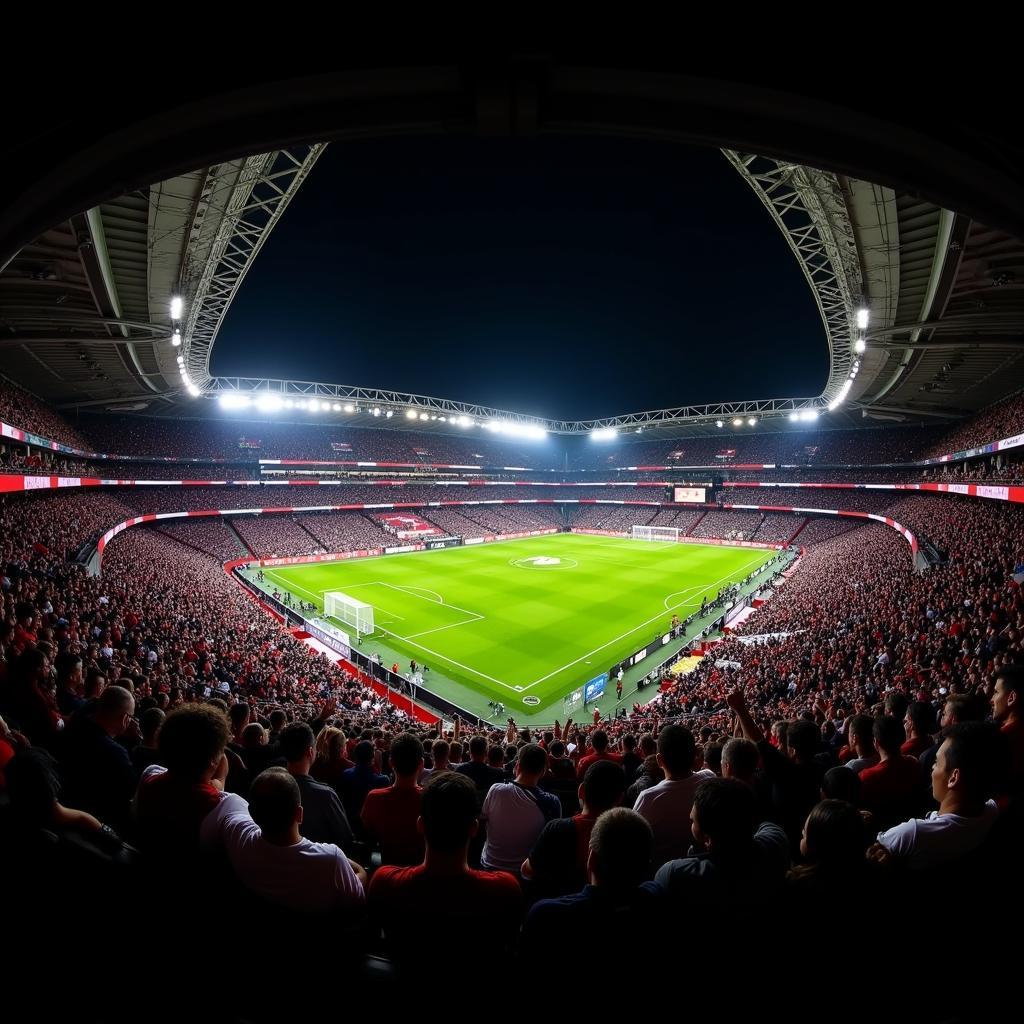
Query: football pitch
532	618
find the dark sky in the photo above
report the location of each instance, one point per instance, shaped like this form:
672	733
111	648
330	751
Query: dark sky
569	278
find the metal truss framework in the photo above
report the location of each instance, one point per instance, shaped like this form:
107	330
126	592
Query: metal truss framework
807	205
401	401
211	278
809	208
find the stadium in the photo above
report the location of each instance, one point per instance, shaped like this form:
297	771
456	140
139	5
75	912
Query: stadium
442	682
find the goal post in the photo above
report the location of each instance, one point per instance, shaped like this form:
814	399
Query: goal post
357	614
664	533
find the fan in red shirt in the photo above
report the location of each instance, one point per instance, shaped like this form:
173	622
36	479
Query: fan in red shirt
892	789
473	902
390	815
599	741
171	804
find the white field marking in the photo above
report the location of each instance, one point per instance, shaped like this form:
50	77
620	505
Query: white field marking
407	590
423	590
432	653
437	629
320	597
628	632
452	661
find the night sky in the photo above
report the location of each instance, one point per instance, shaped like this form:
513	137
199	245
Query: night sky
568	278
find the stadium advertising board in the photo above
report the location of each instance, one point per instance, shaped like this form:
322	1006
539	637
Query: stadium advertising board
443	542
573	702
336	639
594	688
691	495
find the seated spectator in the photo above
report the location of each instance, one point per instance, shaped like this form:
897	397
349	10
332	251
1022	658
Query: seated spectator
739	863
890	790
474	903
439	750
793	773
147	752
619	899
557	864
561	778
323	816
390	815
631	760
175	796
330	761
516	812
666	806
268	854
840	783
918	724
963	781
478	770
357	781
833	846
1008	711
599	741
650	774
97	770
956	710
33	786
861	740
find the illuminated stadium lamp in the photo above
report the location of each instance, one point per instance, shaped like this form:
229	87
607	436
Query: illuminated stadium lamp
719	424
410	414
859	346
603	434
752	421
433	416
443	419
194	391
737	422
389	413
465	421
181	361
269	403
233	400
177	307
862	319
809	415
289	404
350	408
793	417
176	338
376	411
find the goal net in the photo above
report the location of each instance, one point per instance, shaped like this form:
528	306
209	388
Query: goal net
357	614
668	533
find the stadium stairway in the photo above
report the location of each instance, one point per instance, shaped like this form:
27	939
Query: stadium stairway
799	530
241	540
700	518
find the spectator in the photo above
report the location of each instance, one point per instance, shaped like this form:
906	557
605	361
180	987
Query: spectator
516	812
739	864
390	815
357	781
666	806
833	845
557	864
147	752
1008	711
599	741
323	817
272	859
474	903
97	771
890	790
918	724
331	762
175	796
478	770
963	780
618	867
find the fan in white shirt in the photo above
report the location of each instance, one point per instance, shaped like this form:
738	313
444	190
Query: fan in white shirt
263	845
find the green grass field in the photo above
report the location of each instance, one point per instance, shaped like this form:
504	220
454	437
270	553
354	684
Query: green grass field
509	626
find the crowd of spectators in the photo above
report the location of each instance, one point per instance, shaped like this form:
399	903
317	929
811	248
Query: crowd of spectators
157	702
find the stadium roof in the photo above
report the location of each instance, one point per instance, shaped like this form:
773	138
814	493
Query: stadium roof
84	306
